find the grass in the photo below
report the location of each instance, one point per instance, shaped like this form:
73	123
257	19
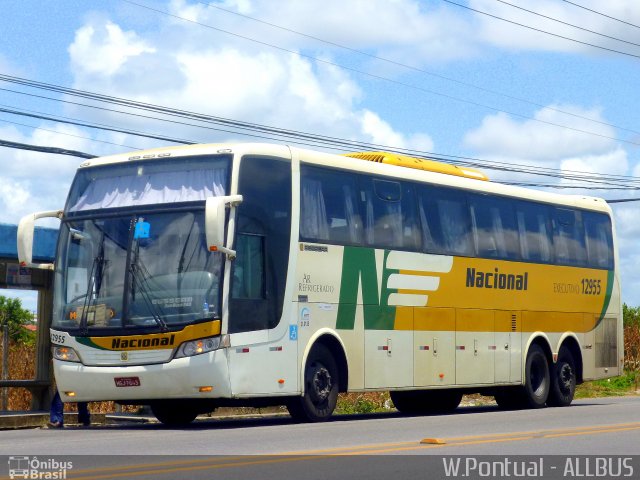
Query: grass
623	385
368	402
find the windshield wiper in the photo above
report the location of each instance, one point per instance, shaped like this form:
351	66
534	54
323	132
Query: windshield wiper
93	289
140	277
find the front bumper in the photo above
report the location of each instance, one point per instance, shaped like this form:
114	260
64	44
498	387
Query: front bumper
178	378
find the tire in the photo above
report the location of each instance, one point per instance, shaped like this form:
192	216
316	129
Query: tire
174	413
407	403
444	401
320	393
563	380
426	401
537	378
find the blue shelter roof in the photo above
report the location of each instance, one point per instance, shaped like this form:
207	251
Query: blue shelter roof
44	243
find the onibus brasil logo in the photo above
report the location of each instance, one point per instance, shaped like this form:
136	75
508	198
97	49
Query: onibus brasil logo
33	467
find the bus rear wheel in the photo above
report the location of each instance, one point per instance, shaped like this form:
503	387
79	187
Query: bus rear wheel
320	388
426	401
174	413
563	380
537	378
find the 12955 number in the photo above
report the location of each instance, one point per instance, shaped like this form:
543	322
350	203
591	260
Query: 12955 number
591	286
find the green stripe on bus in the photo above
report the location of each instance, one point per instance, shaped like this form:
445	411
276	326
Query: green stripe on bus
607	296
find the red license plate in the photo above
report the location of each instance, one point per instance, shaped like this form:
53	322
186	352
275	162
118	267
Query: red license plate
127	381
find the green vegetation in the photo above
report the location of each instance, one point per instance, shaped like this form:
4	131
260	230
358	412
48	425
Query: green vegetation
13	314
610	387
372	402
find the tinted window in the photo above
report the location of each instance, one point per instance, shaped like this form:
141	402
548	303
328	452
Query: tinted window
568	237
388	210
534	228
329	207
599	240
444	218
494	227
248	271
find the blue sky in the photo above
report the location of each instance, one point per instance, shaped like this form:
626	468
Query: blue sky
122	49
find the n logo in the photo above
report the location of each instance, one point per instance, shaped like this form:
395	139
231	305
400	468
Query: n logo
401	272
359	269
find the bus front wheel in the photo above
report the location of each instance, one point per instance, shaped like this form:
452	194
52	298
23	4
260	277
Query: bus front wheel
537	378
563	380
320	388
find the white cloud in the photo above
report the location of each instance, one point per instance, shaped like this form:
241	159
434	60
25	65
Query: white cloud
613	162
104	49
542	139
404	30
226	78
543	143
382	133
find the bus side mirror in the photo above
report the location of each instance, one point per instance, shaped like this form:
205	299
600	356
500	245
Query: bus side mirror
215	215
25	238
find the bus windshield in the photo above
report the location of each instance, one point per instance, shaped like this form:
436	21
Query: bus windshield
131	266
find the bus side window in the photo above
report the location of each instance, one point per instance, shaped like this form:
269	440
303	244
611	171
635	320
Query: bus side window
328	207
494	227
445	221
568	237
599	240
534	228
388	208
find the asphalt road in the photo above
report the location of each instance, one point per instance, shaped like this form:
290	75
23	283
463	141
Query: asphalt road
355	446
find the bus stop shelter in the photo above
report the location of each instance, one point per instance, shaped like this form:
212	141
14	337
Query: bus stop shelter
12	276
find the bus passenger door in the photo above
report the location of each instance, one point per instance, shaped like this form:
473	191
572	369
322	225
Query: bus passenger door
258	363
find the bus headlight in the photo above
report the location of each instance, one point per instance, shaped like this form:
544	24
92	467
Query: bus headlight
66	354
202	345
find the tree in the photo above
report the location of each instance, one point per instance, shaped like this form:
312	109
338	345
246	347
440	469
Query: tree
13	314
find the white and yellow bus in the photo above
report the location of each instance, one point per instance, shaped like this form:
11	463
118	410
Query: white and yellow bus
194	277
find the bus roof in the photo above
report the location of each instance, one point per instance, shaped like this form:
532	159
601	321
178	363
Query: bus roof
437	175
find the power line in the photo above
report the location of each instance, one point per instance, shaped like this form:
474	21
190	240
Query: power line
623	200
107	128
332	143
420	70
37	148
539	30
602	14
379	77
567	23
60	151
138	115
66	134
608	183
